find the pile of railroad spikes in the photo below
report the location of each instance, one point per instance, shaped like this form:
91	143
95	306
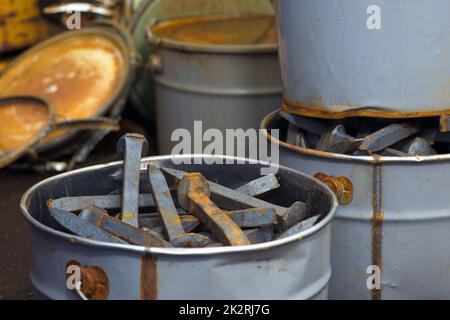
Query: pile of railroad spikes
369	136
186	210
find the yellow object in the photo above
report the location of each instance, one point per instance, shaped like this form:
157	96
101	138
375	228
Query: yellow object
21	24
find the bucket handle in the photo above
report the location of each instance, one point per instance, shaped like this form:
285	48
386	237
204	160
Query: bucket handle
342	187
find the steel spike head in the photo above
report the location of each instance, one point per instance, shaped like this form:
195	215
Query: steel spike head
193	182
121	143
293	215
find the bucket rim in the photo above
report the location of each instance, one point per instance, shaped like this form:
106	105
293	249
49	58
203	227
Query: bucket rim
34	223
373	159
166	43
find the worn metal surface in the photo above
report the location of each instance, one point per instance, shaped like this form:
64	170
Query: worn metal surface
21	24
260	186
96	61
171	222
194	196
235	200
297	267
132	148
125	231
142	95
398	219
223	85
390	71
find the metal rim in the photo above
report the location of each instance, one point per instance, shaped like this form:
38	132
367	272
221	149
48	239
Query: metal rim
15	154
377	159
174	251
122	86
209	48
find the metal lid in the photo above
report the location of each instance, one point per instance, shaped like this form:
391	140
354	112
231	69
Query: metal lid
224	33
80	73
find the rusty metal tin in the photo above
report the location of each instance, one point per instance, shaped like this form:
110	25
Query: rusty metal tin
338	61
221	70
397	219
83	74
148	10
297	267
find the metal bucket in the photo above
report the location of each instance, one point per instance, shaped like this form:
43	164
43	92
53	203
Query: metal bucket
83	74
142	97
297	267
205	71
387	58
21	25
398	220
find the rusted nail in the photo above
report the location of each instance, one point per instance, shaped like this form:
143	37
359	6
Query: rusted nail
419	147
338	141
307	124
132	147
106	202
254	217
295	137
342	187
302	226
194	196
260	235
171	222
260	186
232	200
388	136
94	281
78	226
124	231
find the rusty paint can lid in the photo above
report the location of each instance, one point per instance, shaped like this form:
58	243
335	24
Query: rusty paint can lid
218	33
82	74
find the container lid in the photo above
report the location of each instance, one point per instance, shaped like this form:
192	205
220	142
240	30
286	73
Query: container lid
79	73
226	33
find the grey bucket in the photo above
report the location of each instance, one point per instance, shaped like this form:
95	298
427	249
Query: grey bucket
398	219
297	267
335	61
145	11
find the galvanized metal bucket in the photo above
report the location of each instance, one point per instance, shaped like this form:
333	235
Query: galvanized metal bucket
142	95
387	58
226	86
297	267
398	219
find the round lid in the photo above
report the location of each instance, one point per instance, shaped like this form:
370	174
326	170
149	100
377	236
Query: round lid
79	73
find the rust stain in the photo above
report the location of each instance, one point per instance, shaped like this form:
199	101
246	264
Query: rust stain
318	110
220	30
377	223
342	187
149	277
94	280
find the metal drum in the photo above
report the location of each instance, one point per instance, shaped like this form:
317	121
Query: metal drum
21	25
83	74
297	267
387	58
398	219
221	70
142	95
